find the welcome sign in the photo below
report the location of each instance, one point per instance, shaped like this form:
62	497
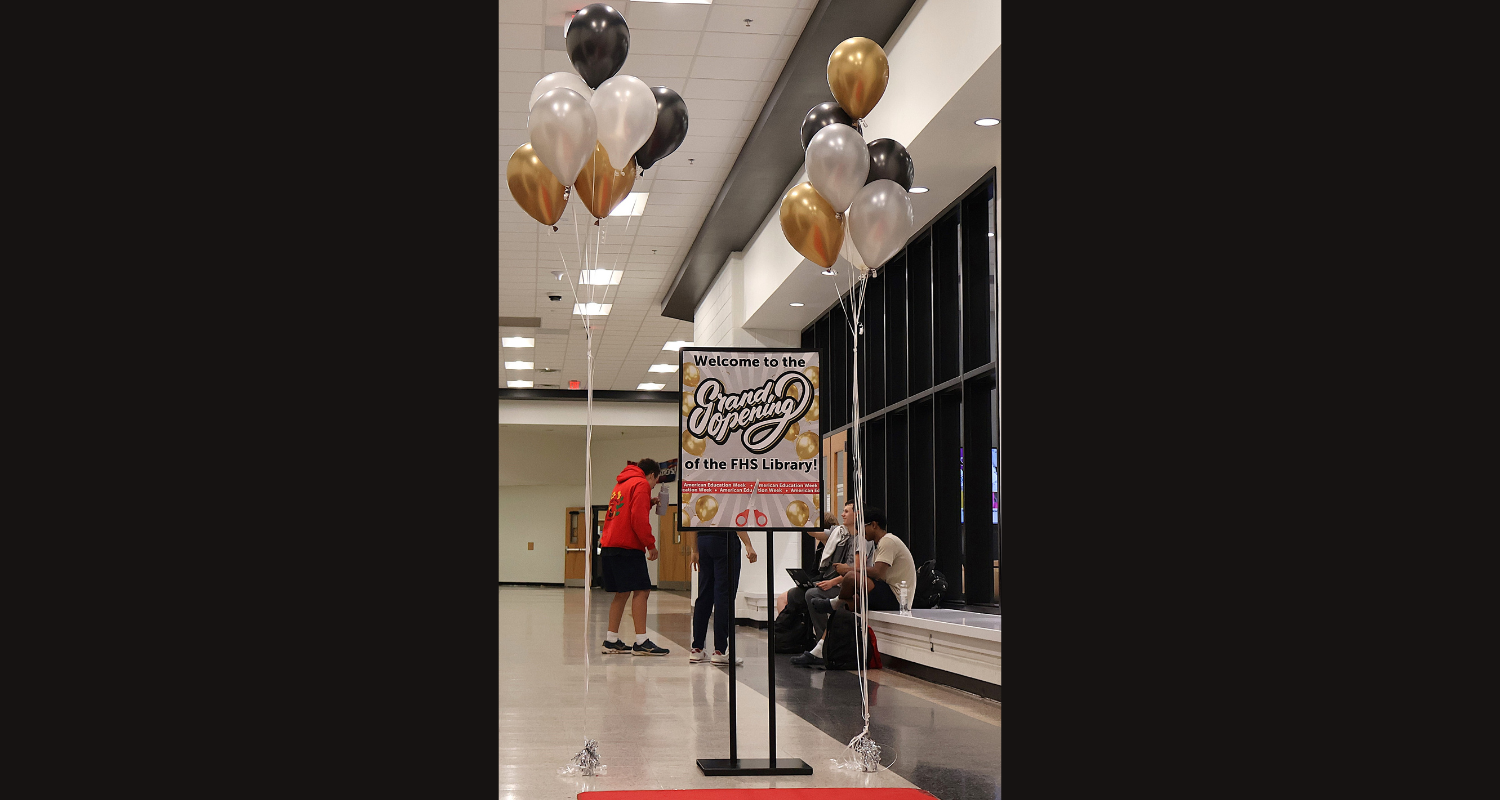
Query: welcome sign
751	452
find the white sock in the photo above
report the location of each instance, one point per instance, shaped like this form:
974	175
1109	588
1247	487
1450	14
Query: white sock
611	637
818	649
640	638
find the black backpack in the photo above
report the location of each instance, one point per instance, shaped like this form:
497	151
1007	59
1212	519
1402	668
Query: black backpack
931	586
839	652
793	629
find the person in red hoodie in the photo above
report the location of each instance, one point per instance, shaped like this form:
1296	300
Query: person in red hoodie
626	544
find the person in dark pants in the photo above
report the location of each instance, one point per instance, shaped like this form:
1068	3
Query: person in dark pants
626	544
716	556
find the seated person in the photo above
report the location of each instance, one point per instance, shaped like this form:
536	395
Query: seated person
838	551
891	564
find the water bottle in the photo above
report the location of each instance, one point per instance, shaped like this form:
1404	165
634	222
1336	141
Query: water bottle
902	599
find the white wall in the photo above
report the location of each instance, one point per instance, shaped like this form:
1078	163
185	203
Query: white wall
534	514
720	317
541	476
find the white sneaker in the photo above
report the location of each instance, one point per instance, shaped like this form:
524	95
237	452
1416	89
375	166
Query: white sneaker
697	656
720	660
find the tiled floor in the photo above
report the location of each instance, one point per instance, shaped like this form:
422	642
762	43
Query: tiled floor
653	717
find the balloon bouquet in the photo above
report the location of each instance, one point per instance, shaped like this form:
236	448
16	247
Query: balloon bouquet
859	189
591	134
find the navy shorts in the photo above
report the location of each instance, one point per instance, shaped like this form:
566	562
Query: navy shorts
624	570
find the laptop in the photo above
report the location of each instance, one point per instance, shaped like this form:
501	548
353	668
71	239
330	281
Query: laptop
803	578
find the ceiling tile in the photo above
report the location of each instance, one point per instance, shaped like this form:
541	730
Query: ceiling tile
707	89
520	81
668	16
675	66
556	61
728	68
738	45
523	37
663	43
762	20
717	109
706	127
514	101
520	11
520	60
512	120
770	3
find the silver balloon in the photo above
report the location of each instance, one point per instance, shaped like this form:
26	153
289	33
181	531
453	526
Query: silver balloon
563	132
880	220
838	162
626	110
559	80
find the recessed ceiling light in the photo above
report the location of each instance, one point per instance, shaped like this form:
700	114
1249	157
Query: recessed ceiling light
986	122
519	364
633	205
796	305
919	190
517	341
601	277
992	234
518	384
592	309
651	386
676	345
663	368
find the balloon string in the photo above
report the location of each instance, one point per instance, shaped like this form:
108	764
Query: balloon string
616	262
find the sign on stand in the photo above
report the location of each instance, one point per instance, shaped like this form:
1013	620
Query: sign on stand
750	460
751	449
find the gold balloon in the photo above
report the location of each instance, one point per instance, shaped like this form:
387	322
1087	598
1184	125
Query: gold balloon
812	410
690	375
812	225
807	445
688	403
535	188
791	433
857	73
693	444
686	496
707	507
685	516
794	390
796	513
812	375
600	186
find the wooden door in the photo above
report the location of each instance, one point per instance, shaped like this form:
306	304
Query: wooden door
672	549
575	547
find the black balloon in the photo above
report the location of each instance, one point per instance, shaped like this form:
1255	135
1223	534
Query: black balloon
890	161
671	127
825	114
598	41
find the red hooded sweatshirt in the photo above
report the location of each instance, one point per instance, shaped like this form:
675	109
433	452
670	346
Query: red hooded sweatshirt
628	523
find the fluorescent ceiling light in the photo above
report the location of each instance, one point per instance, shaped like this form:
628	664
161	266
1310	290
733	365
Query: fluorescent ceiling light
651	386
986	122
518	384
676	345
796	305
592	309
519	365
633	205
600	277
663	368
919	190
517	341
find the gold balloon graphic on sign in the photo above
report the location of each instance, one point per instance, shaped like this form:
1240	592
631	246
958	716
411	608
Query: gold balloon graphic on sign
812	410
796	513
812	375
688	403
807	445
707	507
690	375
791	433
685	517
693	444
794	390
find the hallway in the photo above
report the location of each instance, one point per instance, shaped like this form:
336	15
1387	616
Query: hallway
653	717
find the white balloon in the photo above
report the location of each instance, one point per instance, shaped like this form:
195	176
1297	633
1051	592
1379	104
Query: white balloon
838	162
626	110
559	80
563	132
880	220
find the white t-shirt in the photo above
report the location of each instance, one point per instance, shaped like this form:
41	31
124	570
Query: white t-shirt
893	551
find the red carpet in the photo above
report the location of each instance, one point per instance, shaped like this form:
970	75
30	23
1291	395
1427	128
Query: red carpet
842	793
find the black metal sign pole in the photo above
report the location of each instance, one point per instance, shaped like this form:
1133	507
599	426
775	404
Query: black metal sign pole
757	766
